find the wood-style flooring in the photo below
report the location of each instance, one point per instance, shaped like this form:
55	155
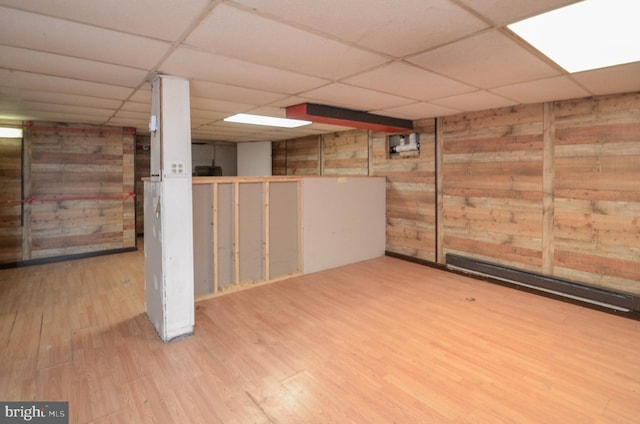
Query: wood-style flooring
383	341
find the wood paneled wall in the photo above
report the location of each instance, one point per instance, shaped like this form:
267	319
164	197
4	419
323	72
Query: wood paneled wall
10	195
597	191
550	188
142	170
78	185
345	153
492	186
411	207
300	156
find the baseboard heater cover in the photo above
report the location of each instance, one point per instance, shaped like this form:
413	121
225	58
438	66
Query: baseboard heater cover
618	301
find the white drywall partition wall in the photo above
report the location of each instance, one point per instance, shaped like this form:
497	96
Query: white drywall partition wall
343	221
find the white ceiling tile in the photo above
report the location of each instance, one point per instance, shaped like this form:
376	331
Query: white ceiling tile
554	88
76	118
488	60
42	33
502	12
103	114
58	98
219	105
396	28
137	107
348	96
616	79
208	115
142	95
195	64
64	66
409	81
17	79
128	114
162	19
479	100
272	43
232	93
83	61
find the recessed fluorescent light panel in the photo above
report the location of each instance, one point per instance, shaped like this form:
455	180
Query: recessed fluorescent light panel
9	132
245	118
587	35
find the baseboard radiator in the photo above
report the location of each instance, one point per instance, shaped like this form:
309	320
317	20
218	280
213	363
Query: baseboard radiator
596	296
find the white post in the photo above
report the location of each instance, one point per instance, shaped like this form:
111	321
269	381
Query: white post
168	238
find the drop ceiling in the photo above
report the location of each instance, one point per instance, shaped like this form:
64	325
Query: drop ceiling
91	62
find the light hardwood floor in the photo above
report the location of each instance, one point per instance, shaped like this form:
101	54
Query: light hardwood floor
384	341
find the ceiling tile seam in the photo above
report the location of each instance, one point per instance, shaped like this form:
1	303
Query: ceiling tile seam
69	79
153	71
538	54
475	13
85	24
72	57
310	30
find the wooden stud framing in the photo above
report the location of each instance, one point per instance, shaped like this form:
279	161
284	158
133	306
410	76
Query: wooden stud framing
236	231
266	252
236	183
214	238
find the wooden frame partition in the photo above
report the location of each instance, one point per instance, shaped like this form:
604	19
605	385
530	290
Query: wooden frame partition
254	236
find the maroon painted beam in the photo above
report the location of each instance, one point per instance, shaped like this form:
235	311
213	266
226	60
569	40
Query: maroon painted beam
347	118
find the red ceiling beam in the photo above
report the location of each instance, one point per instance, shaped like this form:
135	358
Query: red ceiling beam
347	118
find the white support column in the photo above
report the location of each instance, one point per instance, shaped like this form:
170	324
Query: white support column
168	238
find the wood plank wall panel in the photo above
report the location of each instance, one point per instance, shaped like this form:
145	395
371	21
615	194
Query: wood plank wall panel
303	156
597	191
279	158
410	201
10	196
345	153
492	185
79	162
142	170
129	186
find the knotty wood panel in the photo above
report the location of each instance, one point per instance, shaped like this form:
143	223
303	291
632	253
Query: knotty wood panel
303	156
279	158
80	179
411	199
345	153
10	196
597	191
492	164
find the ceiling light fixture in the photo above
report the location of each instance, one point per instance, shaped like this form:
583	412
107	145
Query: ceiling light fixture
348	118
245	118
9	132
587	35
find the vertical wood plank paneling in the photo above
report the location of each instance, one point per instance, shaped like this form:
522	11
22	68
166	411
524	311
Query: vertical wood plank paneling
597	191
410	201
492	185
345	153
